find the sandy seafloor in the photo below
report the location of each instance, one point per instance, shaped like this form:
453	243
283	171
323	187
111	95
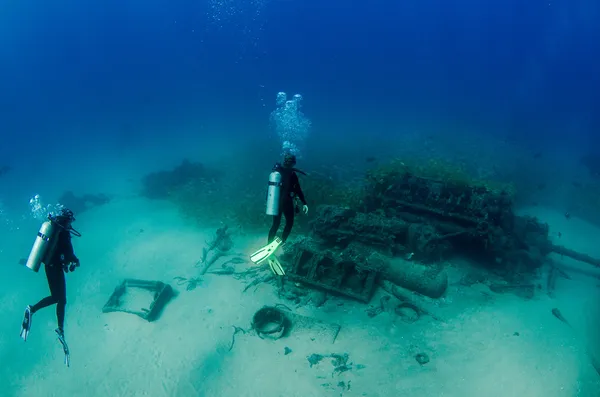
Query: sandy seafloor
475	352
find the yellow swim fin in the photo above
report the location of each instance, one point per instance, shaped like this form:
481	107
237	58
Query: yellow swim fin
265	252
276	267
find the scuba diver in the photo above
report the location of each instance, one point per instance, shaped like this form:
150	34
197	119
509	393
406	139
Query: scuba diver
53	247
283	191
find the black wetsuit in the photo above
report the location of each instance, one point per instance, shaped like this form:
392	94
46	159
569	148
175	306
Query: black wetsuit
290	188
63	254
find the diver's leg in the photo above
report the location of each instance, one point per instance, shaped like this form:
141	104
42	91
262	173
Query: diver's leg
45	302
58	289
274	228
60	315
49	300
288	212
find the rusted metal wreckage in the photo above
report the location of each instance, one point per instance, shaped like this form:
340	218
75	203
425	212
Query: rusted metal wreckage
425	219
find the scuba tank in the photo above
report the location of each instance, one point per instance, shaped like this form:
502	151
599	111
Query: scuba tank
274	192
44	244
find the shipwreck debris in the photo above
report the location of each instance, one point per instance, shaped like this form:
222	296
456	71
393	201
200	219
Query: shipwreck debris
408	312
132	294
413	299
422	358
428	280
343	274
270	323
373	311
217	247
275	322
340	362
514	248
236	330
190	283
556	313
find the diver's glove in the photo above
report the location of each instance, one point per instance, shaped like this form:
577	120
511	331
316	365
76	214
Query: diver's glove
305	209
71	266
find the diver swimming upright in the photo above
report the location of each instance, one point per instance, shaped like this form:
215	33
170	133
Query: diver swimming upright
53	247
284	188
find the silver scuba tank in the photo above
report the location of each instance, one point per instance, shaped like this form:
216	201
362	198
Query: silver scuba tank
43	246
274	193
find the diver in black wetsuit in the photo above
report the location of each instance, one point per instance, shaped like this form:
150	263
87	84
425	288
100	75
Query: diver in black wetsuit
62	261
290	189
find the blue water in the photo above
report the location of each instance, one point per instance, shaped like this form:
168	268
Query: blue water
500	67
92	90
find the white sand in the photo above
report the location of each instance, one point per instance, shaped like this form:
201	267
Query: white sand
185	352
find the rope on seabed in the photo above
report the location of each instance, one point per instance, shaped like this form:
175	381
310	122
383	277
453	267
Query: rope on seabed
235	332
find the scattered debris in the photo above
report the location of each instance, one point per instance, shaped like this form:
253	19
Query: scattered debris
343	386
270	322
410	297
340	362
318	297
376	310
236	260
217	247
236	330
408	312
294	293
191	283
129	296
275	322
422	358
251	272
556	313
264	279
314	359
225	270
301	295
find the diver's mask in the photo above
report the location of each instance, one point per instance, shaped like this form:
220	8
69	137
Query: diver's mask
289	160
65	219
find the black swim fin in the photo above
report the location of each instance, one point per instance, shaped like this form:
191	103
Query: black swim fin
61	339
26	325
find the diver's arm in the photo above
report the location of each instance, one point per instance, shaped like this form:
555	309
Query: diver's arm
66	247
297	189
